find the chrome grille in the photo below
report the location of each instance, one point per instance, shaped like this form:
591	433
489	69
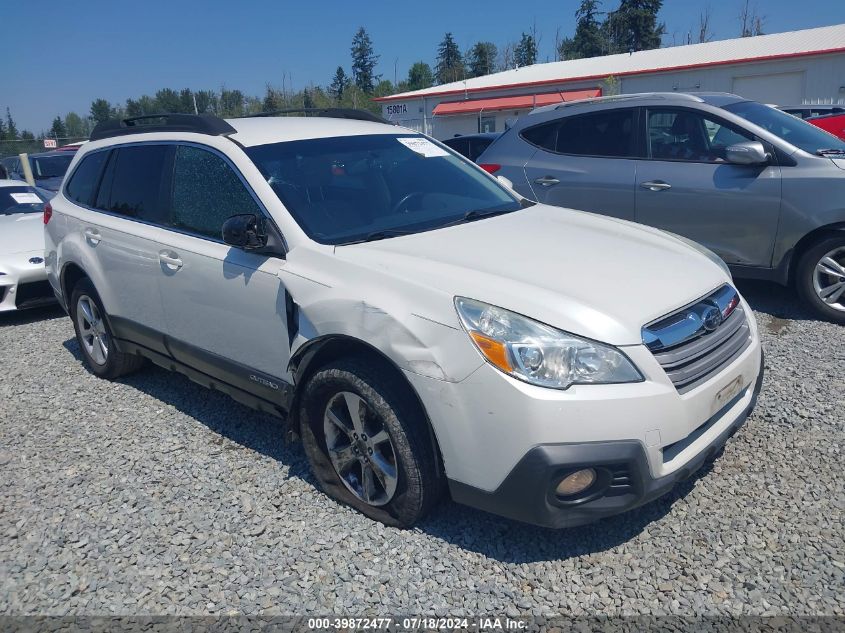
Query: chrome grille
698	340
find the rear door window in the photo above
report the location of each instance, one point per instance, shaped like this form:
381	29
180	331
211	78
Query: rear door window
134	183
206	192
83	183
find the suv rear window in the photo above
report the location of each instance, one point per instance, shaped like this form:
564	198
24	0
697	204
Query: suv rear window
133	184
609	134
83	182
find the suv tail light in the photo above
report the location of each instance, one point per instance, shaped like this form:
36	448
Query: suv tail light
48	212
490	168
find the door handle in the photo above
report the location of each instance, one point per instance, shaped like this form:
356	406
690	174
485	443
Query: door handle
546	181
656	185
172	261
93	236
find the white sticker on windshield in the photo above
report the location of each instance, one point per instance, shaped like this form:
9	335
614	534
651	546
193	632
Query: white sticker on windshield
25	198
422	146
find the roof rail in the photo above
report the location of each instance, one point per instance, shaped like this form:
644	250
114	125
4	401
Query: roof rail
683	96
169	122
334	113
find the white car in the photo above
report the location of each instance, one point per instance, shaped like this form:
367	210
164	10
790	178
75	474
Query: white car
23	278
415	322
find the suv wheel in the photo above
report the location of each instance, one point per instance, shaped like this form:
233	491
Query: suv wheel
94	336
368	443
821	277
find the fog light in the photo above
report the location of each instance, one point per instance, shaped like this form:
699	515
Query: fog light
576	482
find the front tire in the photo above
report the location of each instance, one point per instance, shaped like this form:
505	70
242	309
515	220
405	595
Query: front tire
820	278
95	339
368	442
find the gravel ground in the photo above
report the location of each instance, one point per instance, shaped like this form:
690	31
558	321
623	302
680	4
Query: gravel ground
152	495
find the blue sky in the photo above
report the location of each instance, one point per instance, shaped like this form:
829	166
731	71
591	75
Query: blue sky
60	55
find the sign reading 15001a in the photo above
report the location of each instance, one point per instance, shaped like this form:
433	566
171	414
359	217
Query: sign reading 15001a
401	108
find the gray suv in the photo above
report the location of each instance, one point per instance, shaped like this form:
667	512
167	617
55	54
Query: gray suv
762	189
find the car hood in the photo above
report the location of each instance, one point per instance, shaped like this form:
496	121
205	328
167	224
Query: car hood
587	274
21	233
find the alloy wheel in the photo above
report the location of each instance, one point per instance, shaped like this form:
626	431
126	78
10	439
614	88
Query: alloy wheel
92	330
829	278
360	448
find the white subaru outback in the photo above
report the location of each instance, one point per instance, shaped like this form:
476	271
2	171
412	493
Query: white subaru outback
415	322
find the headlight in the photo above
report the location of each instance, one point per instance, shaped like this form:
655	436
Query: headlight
713	257
540	354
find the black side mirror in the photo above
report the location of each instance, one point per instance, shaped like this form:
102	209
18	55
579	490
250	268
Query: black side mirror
246	231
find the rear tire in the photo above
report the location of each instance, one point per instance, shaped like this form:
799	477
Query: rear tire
820	278
340	405
94	336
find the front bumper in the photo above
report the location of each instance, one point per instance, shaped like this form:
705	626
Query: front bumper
527	493
23	284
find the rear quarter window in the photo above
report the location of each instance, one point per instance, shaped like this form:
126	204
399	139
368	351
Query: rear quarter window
609	134
82	186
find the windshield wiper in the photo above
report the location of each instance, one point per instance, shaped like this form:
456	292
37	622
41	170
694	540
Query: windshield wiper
383	234
469	216
830	152
475	214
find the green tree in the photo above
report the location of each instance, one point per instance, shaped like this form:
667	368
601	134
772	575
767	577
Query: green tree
525	53
58	129
420	76
186	101
167	100
101	110
384	88
74	125
364	61
450	64
232	103
589	39
634	26
206	101
11	127
272	100
26	135
481	59
339	85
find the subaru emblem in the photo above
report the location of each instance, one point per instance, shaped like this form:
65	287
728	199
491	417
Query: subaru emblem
712	318
36	260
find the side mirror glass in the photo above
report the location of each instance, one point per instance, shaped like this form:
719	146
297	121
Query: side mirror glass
748	153
246	231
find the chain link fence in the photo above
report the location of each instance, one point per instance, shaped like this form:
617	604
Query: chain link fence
33	146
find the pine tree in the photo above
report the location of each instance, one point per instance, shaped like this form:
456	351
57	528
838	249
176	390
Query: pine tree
450	64
481	59
58	129
11	128
589	40
101	110
420	76
634	27
339	84
364	61
525	53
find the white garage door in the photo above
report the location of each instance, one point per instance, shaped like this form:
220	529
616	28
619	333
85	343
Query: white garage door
782	88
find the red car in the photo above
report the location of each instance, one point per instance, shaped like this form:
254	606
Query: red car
833	123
